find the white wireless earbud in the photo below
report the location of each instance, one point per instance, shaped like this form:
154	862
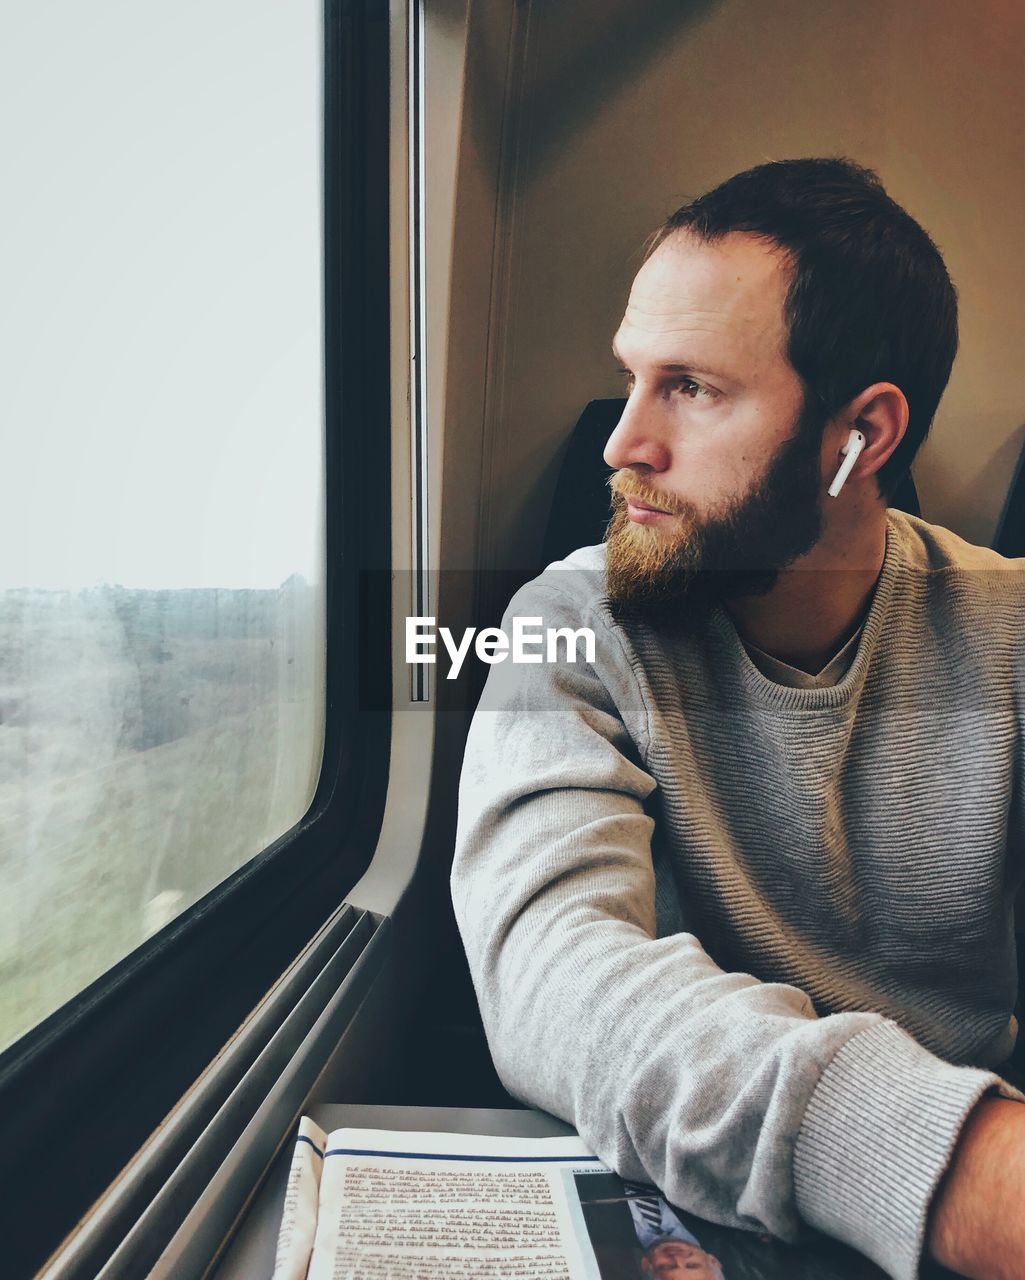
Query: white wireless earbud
853	447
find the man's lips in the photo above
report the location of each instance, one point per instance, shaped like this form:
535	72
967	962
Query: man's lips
643	512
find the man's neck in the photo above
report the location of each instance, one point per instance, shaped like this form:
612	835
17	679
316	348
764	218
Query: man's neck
819	601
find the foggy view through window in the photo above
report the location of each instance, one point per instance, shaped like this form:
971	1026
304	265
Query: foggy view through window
161	530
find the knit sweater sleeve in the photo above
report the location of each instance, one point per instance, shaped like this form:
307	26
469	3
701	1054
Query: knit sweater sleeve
728	1093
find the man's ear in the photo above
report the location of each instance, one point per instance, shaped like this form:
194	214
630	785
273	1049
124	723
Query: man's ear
880	413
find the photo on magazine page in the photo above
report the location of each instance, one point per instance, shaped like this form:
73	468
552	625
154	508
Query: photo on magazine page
636	1235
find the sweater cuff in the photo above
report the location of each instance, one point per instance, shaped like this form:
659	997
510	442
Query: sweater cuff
877	1135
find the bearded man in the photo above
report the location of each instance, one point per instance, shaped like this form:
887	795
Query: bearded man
737	897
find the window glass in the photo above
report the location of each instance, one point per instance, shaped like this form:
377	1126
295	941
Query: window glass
161	529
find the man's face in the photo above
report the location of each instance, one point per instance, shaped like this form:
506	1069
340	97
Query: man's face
720	466
677	1260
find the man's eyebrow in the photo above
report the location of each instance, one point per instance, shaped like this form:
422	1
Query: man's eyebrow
676	367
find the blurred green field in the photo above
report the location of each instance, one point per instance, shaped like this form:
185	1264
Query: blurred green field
150	744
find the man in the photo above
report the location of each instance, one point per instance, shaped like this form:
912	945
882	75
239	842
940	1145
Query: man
628	1221
737	896
670	1250
673	1259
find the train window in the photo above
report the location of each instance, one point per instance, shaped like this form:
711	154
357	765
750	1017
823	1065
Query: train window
162	590
195	579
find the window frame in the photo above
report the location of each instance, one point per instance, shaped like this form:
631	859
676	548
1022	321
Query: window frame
94	1079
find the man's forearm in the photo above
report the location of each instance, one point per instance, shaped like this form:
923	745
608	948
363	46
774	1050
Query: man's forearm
977	1223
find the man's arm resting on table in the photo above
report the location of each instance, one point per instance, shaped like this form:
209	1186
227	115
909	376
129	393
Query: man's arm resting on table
729	1093
977	1221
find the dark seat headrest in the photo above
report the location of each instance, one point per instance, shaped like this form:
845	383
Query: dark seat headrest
1010	535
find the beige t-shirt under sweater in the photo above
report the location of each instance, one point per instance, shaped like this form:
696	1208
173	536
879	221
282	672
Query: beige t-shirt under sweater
832	673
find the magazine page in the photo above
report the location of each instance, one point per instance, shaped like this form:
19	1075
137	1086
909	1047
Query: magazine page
443	1206
302	1195
637	1235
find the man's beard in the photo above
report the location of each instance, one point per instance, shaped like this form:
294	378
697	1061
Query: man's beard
652	572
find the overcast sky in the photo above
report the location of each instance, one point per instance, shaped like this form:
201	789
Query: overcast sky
160	299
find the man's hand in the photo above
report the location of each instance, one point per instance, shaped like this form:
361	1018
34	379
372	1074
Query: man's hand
977	1222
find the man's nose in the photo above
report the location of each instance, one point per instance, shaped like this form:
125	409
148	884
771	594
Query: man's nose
638	440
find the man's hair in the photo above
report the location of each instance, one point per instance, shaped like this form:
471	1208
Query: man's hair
869	298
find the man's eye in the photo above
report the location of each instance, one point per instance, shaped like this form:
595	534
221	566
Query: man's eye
629	380
694	390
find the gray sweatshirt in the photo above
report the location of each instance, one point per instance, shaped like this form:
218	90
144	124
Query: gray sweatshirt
756	942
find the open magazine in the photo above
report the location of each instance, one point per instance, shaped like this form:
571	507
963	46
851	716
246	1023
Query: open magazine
372	1204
